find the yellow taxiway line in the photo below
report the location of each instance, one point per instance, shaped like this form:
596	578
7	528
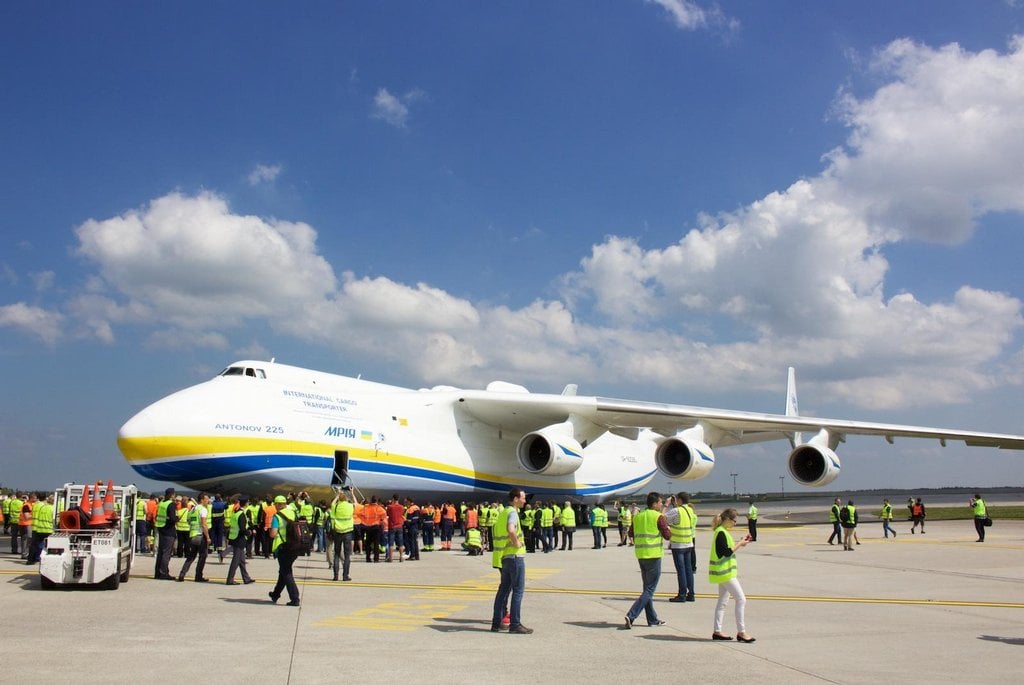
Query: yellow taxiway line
490	588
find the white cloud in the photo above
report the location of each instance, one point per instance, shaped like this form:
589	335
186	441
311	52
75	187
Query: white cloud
801	273
42	323
685	14
796	277
264	173
690	16
180	339
191	263
394	109
938	146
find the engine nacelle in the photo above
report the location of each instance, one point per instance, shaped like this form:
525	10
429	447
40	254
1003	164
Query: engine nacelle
551	451
814	465
684	458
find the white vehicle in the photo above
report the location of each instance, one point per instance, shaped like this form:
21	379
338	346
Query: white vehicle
93	540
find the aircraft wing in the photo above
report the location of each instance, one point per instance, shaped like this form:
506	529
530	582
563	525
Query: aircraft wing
525	412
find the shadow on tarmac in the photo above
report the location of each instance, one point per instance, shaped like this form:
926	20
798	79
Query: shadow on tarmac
1019	641
596	624
674	638
246	600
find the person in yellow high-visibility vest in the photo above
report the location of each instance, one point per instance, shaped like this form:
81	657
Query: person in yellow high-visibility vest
239	530
342	527
722	571
649	529
286	554
510	549
42	527
980	511
680	521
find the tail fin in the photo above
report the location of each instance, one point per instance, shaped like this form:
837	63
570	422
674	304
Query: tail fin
793	407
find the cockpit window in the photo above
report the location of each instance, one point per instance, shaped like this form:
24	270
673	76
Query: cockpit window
243	371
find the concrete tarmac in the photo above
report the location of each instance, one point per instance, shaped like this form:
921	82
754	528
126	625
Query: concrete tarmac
923	608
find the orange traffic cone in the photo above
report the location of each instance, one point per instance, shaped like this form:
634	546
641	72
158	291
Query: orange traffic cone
85	503
98	518
108	502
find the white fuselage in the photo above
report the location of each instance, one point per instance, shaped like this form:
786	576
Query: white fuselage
292	428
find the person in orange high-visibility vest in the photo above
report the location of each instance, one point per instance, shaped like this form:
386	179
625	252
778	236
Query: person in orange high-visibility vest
917	513
358	529
25	523
374	518
447	525
427	523
269	512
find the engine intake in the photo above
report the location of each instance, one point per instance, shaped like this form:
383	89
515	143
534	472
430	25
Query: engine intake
684	458
551	451
813	465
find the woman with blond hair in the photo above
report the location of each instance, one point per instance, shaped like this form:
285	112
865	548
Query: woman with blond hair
722	572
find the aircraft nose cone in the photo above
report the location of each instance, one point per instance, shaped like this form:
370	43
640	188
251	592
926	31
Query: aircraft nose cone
135	435
136	427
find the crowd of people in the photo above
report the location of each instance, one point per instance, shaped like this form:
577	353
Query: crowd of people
398	530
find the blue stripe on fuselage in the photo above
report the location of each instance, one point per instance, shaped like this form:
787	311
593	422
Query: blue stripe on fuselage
215	468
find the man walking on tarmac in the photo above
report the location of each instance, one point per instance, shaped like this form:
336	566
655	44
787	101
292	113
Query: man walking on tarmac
833	517
165	522
341	533
510	549
198	539
286	556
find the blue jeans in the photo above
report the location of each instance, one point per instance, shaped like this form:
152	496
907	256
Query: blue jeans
682	558
513	581
395	539
887	529
650	573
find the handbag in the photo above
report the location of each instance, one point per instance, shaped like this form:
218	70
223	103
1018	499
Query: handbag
987	522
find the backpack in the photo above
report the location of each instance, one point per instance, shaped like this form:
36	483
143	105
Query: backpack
844	515
298	536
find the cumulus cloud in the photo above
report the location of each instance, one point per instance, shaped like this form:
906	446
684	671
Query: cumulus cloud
801	272
394	109
938	146
796	277
191	263
42	323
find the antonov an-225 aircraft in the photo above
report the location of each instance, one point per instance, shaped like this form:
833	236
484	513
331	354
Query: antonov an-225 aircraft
264	427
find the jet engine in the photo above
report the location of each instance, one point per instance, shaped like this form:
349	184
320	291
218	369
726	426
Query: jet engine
550	451
814	465
684	457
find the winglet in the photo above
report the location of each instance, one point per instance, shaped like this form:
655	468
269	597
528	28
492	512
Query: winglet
793	407
570	390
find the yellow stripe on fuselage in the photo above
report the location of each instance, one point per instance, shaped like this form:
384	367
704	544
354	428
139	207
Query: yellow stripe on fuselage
174	447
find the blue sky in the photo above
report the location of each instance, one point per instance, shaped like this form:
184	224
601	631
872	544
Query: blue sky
669	200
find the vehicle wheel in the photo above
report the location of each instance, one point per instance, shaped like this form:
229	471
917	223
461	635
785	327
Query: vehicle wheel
124	576
46	583
114	581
